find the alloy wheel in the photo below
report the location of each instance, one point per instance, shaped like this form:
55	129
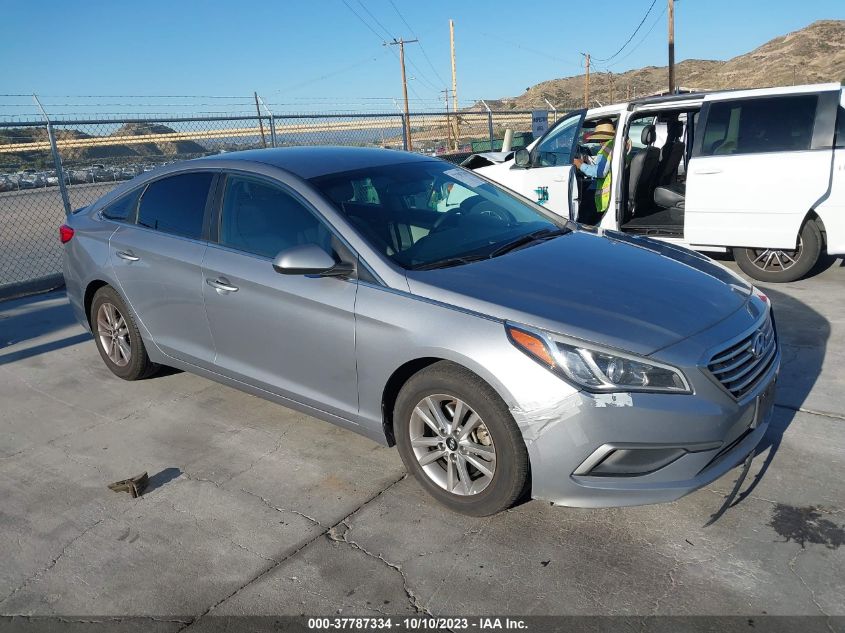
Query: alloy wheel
774	260
452	445
113	333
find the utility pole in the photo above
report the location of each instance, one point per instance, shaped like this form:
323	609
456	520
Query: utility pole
587	81
454	73
610	79
671	15
445	93
401	43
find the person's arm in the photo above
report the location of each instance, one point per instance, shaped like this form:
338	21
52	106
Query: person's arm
588	169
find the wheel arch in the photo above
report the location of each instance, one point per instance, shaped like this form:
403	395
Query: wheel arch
90	290
394	385
815	217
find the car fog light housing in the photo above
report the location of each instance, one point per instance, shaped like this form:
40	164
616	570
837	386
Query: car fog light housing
597	369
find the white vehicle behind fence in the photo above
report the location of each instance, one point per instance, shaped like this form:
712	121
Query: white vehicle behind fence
759	173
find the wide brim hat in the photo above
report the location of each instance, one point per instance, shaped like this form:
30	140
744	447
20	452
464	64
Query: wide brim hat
603	132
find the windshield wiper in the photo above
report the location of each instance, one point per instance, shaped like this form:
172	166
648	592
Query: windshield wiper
447	262
523	240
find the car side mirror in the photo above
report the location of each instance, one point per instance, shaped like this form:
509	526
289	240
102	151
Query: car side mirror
310	259
522	158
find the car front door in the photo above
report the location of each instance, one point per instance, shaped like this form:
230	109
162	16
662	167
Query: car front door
293	335
759	164
157	262
548	176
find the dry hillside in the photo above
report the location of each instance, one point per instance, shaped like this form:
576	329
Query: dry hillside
811	55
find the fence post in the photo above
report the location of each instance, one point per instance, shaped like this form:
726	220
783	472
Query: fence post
272	120
405	132
489	123
57	159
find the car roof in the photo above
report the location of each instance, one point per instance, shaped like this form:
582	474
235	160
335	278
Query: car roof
311	162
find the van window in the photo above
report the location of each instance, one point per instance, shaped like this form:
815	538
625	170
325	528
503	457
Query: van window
176	204
839	141
746	126
123	209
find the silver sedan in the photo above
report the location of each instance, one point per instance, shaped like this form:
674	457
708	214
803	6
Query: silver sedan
505	351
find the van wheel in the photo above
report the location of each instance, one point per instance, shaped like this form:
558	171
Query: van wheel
117	337
458	438
767	264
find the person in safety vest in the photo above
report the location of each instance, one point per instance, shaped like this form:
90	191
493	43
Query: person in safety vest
599	169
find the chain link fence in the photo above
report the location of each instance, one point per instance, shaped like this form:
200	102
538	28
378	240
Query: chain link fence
48	169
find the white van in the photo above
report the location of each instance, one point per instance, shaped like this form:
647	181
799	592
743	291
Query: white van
759	173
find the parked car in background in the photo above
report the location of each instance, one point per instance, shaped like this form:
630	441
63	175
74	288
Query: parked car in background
757	173
338	282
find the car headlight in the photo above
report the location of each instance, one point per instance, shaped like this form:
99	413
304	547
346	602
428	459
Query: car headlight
597	369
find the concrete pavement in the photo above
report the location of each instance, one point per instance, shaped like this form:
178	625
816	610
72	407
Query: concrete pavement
256	509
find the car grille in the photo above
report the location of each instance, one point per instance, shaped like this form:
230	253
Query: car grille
741	366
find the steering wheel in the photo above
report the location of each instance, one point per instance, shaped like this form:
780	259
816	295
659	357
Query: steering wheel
468	208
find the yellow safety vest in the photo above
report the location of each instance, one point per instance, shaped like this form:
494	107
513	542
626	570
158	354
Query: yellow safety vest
603	185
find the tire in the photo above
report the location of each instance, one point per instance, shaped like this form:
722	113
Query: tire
485	424
779	266
117	337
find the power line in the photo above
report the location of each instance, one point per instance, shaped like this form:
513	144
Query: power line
422	48
364	22
500	39
636	30
638	44
376	20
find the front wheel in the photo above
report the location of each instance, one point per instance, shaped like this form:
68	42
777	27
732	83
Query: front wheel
773	265
458	438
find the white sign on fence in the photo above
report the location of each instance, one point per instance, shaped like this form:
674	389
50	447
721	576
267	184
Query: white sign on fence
539	122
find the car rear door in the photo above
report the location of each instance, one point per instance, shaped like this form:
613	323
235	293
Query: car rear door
759	164
293	335
157	263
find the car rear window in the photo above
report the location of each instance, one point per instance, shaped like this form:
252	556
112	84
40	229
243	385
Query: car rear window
176	204
123	209
746	126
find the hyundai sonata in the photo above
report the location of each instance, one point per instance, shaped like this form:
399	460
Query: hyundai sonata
502	349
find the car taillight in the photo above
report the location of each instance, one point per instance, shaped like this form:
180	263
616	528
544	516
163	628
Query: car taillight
65	233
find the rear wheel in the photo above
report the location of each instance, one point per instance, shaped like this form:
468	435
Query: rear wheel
458	438
117	337
773	265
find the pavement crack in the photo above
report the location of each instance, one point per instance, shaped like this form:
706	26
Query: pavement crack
809	589
53	562
281	561
338	533
824	414
269	504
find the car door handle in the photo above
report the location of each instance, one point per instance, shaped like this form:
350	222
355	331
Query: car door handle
221	284
705	172
127	255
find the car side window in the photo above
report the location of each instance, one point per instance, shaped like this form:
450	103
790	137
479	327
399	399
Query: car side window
263	219
746	126
556	148
123	209
176	204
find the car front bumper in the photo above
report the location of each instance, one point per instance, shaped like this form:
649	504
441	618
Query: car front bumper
623	449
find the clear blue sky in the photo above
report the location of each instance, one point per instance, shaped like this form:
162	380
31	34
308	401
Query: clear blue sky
319	49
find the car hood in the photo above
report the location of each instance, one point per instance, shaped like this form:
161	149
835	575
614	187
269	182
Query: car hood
627	292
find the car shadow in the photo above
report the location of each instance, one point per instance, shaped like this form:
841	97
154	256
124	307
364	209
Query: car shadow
803	334
31	318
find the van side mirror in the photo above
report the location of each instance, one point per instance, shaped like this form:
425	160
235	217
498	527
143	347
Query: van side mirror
310	259
522	158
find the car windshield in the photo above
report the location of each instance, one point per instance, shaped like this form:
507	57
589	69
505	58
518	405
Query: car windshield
430	214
